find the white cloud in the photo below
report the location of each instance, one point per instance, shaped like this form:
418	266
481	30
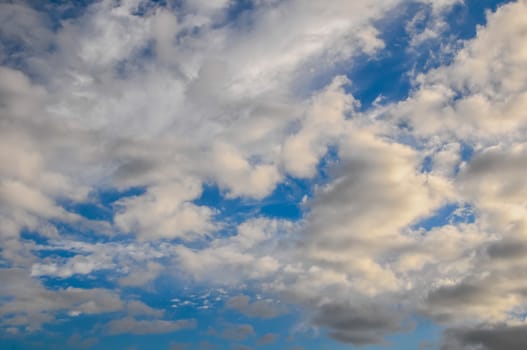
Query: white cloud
481	94
164	212
245	255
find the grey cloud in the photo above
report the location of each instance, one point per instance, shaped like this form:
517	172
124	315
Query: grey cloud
507	249
138	308
492	299
134	326
358	325
23	25
179	346
205	345
78	342
499	337
31	305
268	338
459	294
427	345
260	308
238	332
449	303
142	276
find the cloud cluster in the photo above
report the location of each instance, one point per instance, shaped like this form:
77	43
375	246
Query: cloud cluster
168	99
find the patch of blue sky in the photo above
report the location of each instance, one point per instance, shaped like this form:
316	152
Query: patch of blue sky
97	279
387	76
34	236
449	214
238	14
285	202
427	164
101	203
54	253
466	153
61	10
145	7
3	263
100	206
464	18
136	62
77	231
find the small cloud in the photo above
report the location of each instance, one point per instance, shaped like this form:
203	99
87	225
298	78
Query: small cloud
238	332
267	339
131	325
261	308
179	346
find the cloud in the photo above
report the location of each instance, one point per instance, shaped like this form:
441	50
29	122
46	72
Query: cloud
76	265
170	98
142	277
243	347
79	342
179	346
23	25
238	332
486	338
260	308
164	212
245	255
31	304
138	308
472	97
267	338
358	325
134	326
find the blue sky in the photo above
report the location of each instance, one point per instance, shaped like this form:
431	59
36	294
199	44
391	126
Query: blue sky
263	174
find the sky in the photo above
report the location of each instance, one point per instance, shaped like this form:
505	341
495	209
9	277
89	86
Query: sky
263	174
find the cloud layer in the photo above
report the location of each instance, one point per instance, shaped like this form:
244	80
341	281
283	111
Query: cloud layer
118	117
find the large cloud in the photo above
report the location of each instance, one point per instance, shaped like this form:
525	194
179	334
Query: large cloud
500	337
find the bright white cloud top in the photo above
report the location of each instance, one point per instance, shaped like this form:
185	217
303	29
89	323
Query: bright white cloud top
119	118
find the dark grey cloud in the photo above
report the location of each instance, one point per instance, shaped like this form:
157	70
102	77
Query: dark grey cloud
500	337
507	249
358	325
462	293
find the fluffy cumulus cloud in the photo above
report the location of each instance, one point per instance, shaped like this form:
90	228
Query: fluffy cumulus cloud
151	149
